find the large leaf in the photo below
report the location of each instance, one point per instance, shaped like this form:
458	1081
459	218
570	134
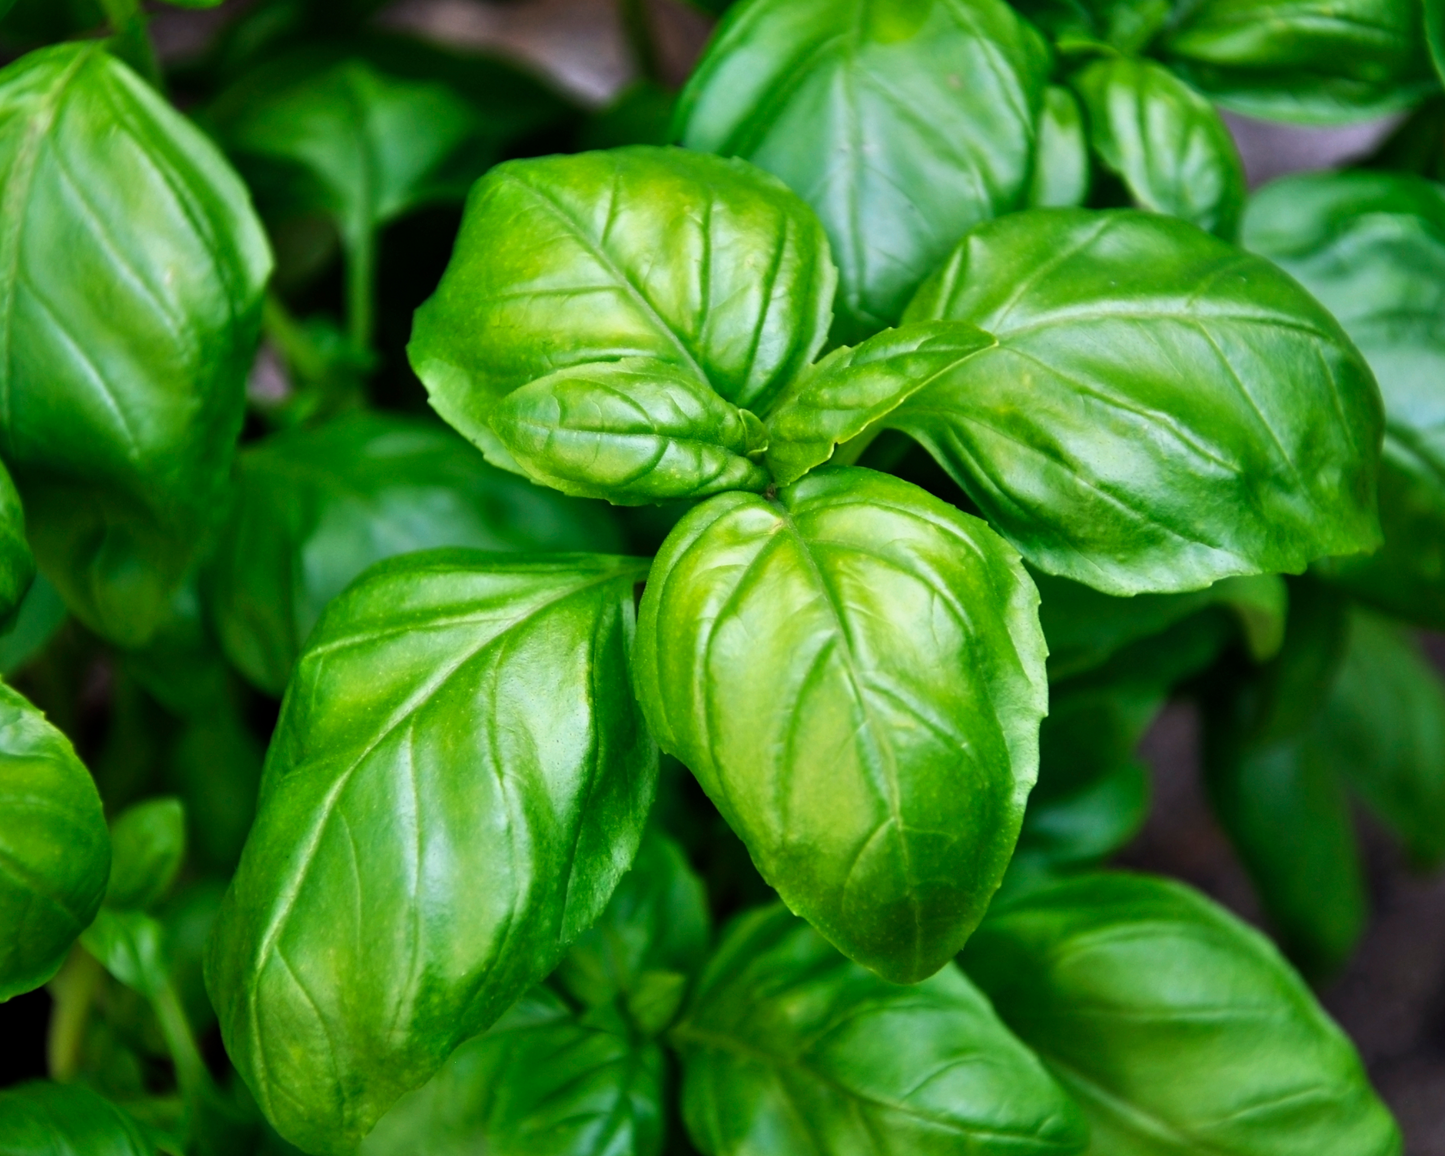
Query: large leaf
54	847
1371	247
314	508
542	1082
854	673
459	777
17	564
788	1047
708	265
133	273
903	125
1164	140
1177	1028
1161	410
44	1119
1311	61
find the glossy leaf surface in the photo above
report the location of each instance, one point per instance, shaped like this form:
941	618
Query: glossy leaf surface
542	1082
458	779
131	946
133	273
54	846
854	673
1176	1027
17	563
44	1119
903	125
1164	140
148	842
709	265
1061	162
1161	411
788	1047
632	432
314	508
1371	247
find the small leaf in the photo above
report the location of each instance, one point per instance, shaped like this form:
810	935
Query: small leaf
39	618
1061	163
131	946
788	1047
854	673
1166	142
459	777
902	125
44	1119
633	432
54	847
1177	1028
148	843
1161	411
17	563
840	396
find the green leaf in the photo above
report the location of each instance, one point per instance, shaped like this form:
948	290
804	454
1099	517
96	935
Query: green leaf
1061	161
839	397
1177	1028
1165	141
148	843
214	765
788	1047
130	300
634	432
131	946
541	1081
54	847
709	265
640	114
459	777
40	616
314	508
854	673
656	926
1435	33
44	1119
1371	247
17	563
1308	61
903	125
1384	732
1161	411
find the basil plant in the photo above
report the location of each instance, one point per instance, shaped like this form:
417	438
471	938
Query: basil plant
557	632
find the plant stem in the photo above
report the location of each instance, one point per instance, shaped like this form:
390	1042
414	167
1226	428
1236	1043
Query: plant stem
192	1075
131	42
360	288
637	23
73	991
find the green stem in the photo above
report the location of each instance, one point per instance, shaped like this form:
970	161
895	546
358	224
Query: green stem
637	24
360	288
192	1075
131	42
291	340
73	992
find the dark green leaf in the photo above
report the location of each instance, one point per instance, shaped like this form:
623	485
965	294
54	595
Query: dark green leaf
903	125
215	766
43	1119
131	946
133	273
1177	1028
314	508
854	673
839	397
640	114
54	847
541	1083
182	666
1061	161
459	777
1371	247
1309	61
1435	33
709	265
635	431
788	1047
148	843
1164	140
17	564
1161	410
40	616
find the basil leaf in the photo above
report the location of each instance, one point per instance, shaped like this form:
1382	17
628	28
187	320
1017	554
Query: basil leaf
1309	61
45	1119
903	126
859	616
40	616
1435	33
54	847
541	1081
840	396
214	765
131	946
1133	429
134	267
1384	732
1061	162
1164	140
1176	1027
314	508
459	777
17	563
709	265
1371	247
655	926
788	1047
632	432
148	842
